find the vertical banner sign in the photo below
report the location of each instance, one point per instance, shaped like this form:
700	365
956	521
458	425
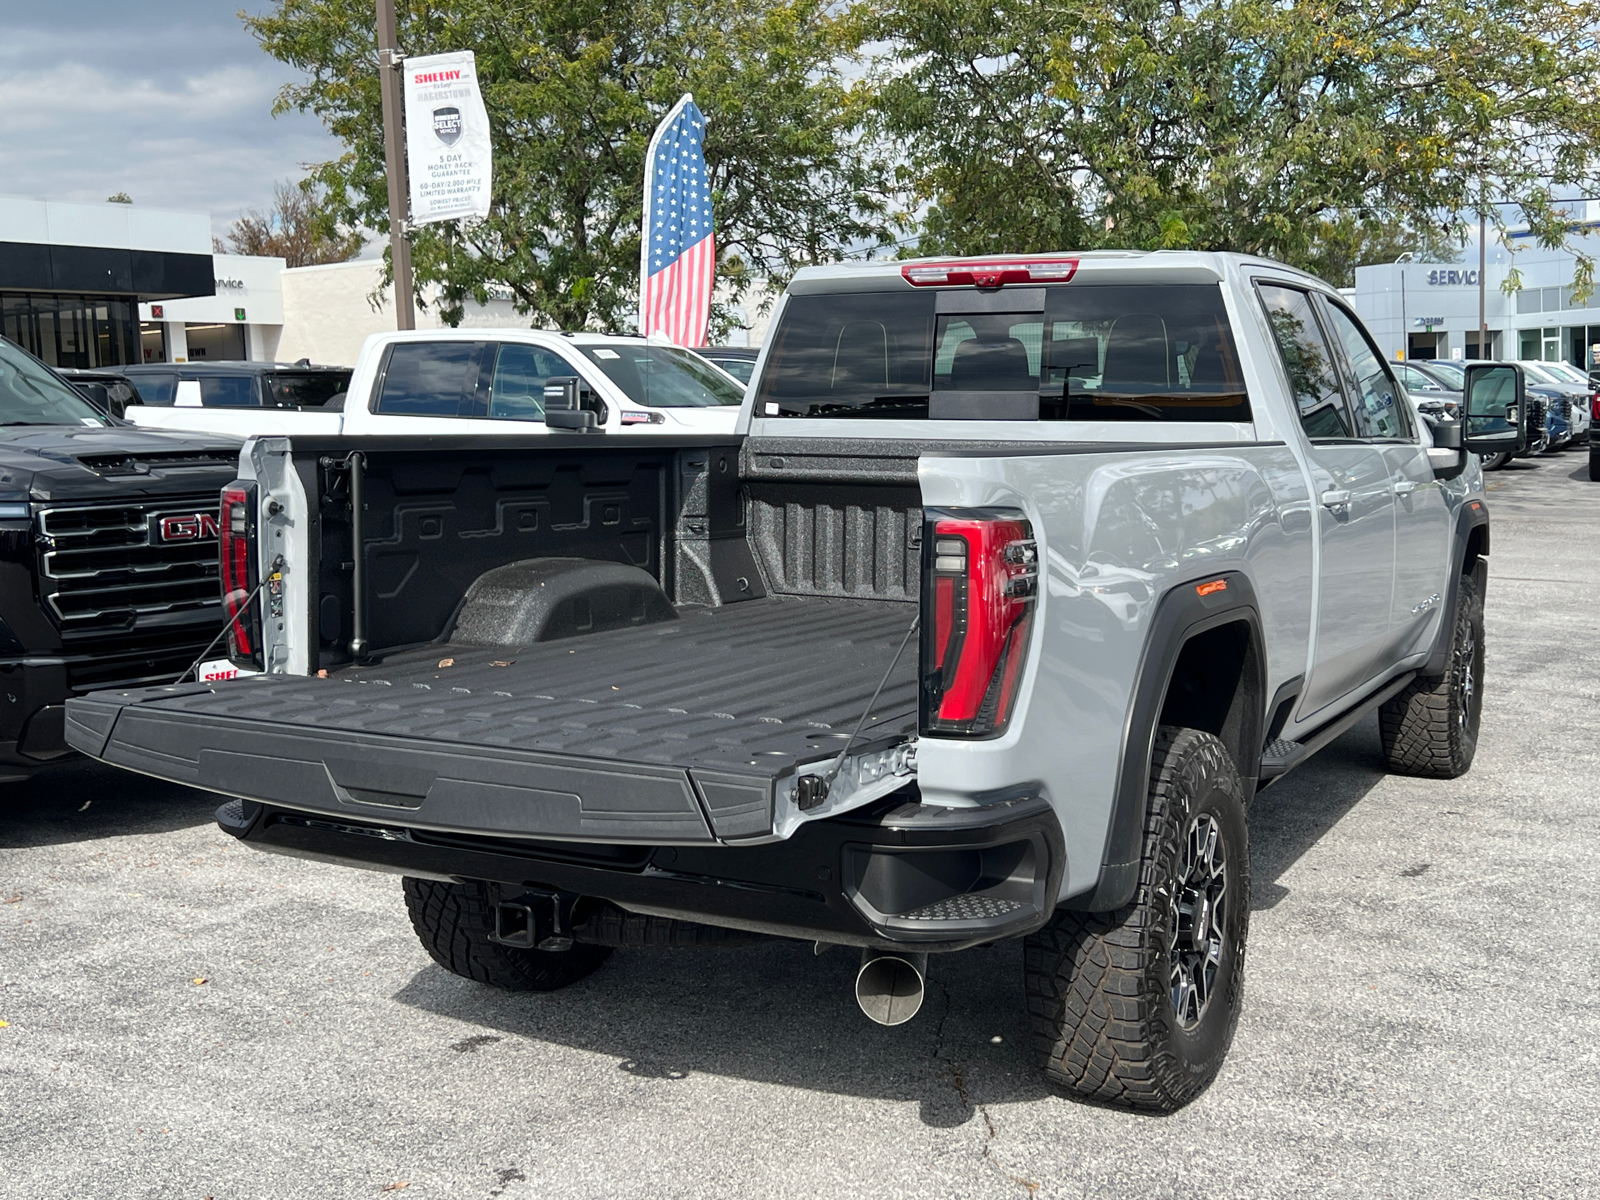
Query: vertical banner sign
447	138
678	254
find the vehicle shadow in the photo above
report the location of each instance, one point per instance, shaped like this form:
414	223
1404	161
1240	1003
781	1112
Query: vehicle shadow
1581	474
1291	816
777	1013
80	800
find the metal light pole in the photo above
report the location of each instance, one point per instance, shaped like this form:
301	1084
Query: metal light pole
394	154
1404	353
1483	258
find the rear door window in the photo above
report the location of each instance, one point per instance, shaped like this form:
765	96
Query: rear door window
1375	400
155	389
1308	362
306	389
429	379
229	391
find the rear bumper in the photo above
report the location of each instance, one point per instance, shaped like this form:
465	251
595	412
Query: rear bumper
895	872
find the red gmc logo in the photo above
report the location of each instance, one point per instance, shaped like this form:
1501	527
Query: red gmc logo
189	527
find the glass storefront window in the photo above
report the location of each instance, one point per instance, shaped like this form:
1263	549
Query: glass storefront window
73	331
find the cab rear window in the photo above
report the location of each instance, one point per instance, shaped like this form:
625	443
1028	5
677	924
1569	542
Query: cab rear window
1108	352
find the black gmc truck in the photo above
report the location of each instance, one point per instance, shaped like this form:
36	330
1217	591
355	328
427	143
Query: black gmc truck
108	554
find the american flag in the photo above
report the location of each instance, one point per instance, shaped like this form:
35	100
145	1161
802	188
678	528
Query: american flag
677	261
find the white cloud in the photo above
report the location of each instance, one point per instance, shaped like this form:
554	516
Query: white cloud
96	100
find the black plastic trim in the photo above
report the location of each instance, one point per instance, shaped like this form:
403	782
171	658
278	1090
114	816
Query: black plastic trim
797	888
1471	516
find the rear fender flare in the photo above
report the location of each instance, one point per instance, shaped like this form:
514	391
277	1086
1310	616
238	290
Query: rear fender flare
1180	615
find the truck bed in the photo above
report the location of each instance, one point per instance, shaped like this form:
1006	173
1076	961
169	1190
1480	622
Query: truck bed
675	732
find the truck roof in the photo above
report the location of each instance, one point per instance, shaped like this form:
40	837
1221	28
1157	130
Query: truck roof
1143	266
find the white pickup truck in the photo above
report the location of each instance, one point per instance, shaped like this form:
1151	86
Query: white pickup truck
1019	579
485	382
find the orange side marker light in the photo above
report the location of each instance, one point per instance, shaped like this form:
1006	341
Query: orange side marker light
1211	587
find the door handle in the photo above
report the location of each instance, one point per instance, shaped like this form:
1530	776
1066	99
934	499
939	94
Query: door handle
1405	487
1336	498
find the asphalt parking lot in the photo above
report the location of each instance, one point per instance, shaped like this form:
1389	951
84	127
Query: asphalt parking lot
189	1019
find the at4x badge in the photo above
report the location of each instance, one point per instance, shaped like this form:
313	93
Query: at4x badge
183	527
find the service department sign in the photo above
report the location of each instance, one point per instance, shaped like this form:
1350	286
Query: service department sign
1453	278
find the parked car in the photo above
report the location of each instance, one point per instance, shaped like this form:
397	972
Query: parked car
1572	385
1427	386
108	554
957	641
252	385
738	361
482	382
106	389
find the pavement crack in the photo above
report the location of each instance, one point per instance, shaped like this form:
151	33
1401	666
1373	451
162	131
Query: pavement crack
958	1081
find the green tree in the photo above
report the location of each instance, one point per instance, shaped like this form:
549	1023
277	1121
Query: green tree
1296	130
119	198
300	228
574	89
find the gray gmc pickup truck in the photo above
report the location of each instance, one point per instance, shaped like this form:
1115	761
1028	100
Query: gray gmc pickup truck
1019	579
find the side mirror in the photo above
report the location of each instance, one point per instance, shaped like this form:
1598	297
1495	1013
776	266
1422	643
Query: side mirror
1496	409
570	403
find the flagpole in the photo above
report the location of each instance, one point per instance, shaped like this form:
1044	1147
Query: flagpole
644	219
394	155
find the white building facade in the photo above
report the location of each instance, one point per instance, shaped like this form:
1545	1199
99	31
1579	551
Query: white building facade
1431	310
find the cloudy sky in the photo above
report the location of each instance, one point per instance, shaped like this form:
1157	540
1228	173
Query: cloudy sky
167	100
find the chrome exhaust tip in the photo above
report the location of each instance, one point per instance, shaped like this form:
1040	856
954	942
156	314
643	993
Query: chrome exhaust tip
890	986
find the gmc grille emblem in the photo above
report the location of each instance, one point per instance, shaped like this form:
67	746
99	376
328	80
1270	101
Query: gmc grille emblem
185	527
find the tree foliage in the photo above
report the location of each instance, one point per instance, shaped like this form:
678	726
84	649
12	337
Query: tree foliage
1312	132
574	89
299	227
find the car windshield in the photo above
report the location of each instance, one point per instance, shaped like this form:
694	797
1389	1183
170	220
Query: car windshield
306	389
1536	372
740	368
31	395
1096	352
1566	372
664	376
1452	376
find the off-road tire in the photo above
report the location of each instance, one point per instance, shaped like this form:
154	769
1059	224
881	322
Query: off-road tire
454	921
1431	728
1100	986
1594	464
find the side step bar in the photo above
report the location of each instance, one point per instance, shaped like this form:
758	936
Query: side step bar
1282	755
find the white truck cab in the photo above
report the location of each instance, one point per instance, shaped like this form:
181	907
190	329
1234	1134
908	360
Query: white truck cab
465	382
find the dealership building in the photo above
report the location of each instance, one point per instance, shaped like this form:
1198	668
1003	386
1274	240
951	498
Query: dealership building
1430	310
100	285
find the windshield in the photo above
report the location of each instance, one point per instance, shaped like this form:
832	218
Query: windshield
1537	372
1567	373
1097	352
1454	377
306	389
664	376
31	395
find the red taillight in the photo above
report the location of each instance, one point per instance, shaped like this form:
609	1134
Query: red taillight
988	274
233	527
981	582
1594	407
